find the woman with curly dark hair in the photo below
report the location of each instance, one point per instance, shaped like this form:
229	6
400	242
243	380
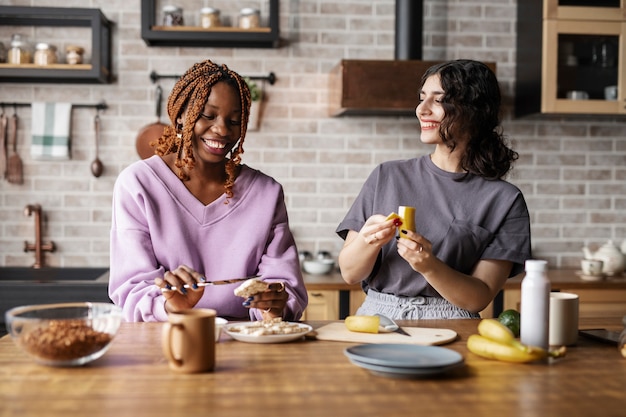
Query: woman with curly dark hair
472	227
194	213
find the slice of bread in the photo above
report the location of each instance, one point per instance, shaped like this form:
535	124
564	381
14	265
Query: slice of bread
250	288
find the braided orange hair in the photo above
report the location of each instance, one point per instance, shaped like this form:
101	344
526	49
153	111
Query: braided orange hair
191	92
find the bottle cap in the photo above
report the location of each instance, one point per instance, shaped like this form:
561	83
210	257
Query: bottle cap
536	265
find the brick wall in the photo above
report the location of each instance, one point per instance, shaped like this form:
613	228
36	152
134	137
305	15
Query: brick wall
572	172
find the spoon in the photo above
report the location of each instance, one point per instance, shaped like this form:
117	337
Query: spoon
96	165
390	325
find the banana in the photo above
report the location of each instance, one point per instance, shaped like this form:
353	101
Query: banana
512	352
494	330
362	324
496	341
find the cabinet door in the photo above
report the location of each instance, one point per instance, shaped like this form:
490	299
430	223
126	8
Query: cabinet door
323	305
580	60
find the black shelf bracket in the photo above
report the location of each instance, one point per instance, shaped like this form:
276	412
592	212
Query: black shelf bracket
270	78
99	106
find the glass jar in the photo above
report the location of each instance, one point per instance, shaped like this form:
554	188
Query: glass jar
3	53
249	18
173	16
210	17
74	54
20	52
45	54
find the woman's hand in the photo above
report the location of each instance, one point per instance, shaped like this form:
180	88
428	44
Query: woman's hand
272	301
379	231
416	250
182	298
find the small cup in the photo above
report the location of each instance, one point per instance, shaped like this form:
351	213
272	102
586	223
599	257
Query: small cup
577	95
563	319
188	340
610	93
592	267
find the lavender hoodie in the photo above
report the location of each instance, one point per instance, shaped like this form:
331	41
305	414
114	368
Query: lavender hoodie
158	225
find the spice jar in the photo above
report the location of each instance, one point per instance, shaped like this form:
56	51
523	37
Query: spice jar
74	54
249	18
172	16
210	17
20	52
45	54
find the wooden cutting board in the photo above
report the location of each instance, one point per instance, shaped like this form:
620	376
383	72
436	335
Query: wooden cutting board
419	335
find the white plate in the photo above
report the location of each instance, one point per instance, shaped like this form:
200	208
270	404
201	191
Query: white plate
393	355
270	338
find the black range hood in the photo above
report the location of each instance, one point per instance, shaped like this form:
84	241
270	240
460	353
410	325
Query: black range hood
384	87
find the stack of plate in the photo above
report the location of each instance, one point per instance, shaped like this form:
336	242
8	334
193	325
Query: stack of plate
404	361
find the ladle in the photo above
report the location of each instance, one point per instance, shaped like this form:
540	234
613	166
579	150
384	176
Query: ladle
96	165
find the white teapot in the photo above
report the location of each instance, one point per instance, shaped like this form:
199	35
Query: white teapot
611	255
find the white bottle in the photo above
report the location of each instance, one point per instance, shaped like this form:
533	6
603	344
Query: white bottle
535	307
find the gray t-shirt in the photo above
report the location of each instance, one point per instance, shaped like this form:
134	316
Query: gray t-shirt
465	221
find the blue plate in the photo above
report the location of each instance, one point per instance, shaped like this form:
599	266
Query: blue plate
414	357
399	372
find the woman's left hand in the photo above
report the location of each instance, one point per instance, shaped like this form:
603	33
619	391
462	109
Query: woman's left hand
416	250
272	301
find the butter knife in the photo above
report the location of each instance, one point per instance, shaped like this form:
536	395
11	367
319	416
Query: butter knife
211	283
390	325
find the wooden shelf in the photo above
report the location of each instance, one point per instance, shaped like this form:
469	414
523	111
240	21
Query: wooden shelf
97	72
223	37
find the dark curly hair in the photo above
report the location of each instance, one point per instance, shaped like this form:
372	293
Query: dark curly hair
191	92
471	103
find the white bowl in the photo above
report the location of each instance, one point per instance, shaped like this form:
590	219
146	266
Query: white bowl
64	334
318	266
219	325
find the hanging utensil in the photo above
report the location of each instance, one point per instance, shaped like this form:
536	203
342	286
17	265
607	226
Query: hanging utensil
4	121
96	166
151	132
14	163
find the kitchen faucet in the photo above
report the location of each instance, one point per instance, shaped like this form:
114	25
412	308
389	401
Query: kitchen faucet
38	247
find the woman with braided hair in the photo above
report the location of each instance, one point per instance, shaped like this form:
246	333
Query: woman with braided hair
472	227
193	213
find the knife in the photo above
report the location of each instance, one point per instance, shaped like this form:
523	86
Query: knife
211	283
390	325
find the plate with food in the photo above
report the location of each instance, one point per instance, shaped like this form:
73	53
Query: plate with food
267	331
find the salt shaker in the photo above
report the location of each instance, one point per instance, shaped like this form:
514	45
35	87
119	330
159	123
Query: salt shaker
535	305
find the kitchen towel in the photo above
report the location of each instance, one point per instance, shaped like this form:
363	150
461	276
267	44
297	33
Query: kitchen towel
50	130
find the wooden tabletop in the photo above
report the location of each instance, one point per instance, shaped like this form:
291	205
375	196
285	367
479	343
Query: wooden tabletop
310	378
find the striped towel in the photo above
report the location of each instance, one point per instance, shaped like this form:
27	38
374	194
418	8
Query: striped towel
50	130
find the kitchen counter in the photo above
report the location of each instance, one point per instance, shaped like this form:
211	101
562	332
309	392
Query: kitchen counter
311	378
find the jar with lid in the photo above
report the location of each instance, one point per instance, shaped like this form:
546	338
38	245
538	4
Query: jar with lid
74	54
249	18
210	17
173	16
45	54
20	52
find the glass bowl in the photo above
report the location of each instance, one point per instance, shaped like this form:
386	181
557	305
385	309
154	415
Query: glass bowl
66	334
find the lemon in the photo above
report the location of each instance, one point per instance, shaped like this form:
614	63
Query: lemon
511	319
363	324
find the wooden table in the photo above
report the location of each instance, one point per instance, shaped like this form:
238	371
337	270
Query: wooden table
310	378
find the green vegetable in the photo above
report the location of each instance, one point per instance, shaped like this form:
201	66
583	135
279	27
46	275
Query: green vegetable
511	319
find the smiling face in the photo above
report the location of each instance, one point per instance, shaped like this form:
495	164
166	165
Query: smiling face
218	127
429	111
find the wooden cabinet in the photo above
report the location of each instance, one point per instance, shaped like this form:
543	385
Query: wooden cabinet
323	305
570	55
223	37
98	70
